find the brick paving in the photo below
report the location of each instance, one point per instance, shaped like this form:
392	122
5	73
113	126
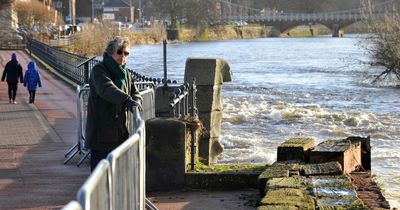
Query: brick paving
33	140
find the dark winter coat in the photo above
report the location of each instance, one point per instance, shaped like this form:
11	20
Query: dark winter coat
106	121
12	71
32	77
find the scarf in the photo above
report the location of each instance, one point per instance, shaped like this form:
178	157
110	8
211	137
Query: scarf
118	71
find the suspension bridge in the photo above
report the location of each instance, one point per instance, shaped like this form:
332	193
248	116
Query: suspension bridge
229	12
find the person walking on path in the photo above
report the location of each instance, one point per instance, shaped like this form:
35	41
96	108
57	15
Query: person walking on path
32	81
12	71
112	93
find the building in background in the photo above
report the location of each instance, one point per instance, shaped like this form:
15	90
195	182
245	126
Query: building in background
66	9
117	10
73	11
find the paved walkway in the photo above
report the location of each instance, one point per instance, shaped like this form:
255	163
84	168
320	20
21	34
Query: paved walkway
33	140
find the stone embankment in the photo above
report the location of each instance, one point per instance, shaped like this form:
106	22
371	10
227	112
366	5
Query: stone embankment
332	175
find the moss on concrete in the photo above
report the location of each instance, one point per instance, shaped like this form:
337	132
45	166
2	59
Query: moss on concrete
305	143
221	181
286	182
232	168
301	202
340	204
278	207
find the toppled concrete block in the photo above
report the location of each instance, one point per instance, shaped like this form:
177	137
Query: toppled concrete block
341	181
286	182
346	152
273	171
295	149
329	168
287	199
276	194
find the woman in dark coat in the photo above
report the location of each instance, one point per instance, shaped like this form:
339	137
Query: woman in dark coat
12	71
112	93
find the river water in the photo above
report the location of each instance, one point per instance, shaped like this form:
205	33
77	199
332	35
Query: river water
294	87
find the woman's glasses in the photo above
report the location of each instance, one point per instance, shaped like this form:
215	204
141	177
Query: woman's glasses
120	51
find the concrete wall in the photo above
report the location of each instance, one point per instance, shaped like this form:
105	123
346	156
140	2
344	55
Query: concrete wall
210	74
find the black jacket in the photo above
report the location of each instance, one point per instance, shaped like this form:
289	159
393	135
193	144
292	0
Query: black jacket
106	118
13	70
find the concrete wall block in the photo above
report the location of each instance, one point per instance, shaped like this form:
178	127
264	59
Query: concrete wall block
324	168
295	149
346	152
207	71
212	122
209	98
165	154
162	96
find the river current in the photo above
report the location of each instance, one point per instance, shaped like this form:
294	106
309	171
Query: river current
316	87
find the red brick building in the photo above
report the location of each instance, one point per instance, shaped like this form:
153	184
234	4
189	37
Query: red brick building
117	10
76	11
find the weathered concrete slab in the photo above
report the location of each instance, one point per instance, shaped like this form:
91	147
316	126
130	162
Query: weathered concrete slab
295	149
299	199
346	152
297	182
280	198
341	181
329	168
269	173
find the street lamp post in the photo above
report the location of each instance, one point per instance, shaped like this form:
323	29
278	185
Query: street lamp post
140	12
92	11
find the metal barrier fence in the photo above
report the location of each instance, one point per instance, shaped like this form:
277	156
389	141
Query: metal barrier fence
119	181
146	91
96	192
74	67
82	93
63	62
72	205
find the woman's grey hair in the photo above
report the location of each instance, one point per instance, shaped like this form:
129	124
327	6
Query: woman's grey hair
117	42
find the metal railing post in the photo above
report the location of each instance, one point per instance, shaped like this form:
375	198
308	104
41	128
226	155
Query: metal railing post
193	113
86	73
165	61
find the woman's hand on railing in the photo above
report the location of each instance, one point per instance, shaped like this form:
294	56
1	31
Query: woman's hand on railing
130	104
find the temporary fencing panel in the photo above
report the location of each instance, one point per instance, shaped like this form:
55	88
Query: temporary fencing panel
82	93
149	106
127	186
73	205
96	192
119	183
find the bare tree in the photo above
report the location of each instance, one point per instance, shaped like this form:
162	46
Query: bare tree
384	43
33	16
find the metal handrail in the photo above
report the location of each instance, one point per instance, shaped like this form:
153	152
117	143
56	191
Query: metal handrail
75	67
